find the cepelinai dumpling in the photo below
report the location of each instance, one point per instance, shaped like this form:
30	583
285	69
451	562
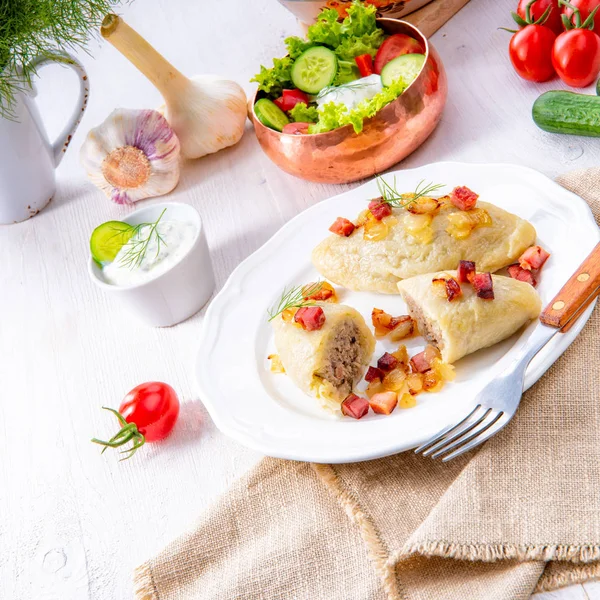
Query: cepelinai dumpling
429	235
326	363
468	322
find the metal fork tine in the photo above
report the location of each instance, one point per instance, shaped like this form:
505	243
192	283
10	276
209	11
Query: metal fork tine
459	433
491	418
482	437
440	434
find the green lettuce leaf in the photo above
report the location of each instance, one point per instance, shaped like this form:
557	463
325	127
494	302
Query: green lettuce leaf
274	80
368	43
304	114
296	46
347	72
327	30
332	115
361	20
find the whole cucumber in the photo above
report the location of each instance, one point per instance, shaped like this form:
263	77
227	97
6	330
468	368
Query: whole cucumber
568	112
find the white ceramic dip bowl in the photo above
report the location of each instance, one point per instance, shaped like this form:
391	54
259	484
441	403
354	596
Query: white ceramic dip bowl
175	294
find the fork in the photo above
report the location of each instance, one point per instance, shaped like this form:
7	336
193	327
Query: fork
498	401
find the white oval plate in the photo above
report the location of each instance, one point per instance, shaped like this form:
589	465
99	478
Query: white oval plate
266	412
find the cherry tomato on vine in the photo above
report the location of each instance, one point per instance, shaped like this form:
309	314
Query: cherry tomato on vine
148	413
538	8
586	7
576	57
530	52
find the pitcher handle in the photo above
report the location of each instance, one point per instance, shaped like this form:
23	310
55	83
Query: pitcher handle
59	147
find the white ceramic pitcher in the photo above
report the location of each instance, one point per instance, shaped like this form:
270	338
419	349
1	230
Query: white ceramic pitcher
27	158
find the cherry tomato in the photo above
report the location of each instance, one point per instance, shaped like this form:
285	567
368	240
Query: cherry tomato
538	8
364	62
530	52
585	8
298	128
290	98
148	413
153	407
576	57
394	46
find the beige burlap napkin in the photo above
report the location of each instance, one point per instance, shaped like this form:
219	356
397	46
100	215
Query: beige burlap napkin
520	515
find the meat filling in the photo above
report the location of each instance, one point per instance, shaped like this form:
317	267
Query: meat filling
427	328
344	354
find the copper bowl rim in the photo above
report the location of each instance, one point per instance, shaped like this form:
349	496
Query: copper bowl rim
257	123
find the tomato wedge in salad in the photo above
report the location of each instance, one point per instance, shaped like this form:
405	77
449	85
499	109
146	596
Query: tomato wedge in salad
289	99
296	128
396	45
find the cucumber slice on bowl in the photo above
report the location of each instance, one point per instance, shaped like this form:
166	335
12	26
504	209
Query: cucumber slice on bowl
314	69
107	239
406	67
270	115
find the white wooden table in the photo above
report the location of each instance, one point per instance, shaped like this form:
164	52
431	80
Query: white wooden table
73	523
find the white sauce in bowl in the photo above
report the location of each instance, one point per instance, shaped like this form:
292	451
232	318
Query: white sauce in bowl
353	93
162	253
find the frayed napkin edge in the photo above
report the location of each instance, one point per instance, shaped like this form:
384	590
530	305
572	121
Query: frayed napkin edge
144	587
574	553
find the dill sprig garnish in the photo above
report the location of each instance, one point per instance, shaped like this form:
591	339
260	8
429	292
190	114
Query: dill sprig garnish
295	297
31	29
391	196
138	246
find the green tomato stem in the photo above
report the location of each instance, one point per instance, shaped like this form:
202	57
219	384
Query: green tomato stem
128	433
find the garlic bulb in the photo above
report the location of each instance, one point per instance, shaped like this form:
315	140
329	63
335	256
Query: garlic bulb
133	155
206	112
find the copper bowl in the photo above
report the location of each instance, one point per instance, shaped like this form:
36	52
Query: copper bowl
341	155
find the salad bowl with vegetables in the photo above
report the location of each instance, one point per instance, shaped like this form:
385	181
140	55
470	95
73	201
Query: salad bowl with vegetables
351	100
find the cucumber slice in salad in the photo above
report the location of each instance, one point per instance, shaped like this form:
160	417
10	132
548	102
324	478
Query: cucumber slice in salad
406	67
314	69
270	115
107	239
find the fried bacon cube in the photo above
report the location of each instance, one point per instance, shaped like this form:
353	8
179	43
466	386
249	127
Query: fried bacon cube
484	285
342	227
450	288
466	270
380	209
464	198
517	272
387	362
420	363
311	318
533	258
354	406
373	373
384	403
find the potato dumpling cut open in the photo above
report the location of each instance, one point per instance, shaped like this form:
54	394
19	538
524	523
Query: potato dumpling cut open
326	363
469	323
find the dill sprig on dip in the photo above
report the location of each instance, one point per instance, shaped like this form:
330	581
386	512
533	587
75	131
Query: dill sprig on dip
138	246
295	297
391	196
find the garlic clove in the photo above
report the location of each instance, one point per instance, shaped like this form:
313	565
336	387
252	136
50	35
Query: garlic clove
132	155
208	114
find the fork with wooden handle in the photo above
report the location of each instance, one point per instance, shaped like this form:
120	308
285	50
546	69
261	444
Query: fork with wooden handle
498	401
